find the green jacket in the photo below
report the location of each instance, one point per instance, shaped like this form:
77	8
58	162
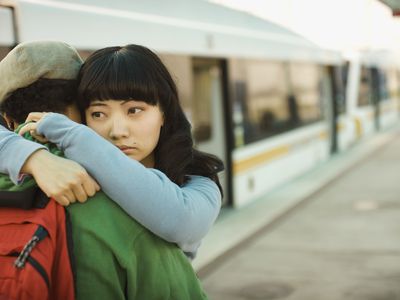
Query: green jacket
117	258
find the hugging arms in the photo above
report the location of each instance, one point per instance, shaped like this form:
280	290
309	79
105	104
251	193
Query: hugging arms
182	215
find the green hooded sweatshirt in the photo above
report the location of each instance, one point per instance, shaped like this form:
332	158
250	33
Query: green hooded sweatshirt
117	258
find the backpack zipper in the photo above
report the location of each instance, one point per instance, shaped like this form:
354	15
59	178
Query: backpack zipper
24	255
39	235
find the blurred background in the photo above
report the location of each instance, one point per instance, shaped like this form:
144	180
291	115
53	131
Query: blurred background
301	100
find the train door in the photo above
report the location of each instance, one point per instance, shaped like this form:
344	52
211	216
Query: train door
337	103
332	114
209	114
329	105
375	86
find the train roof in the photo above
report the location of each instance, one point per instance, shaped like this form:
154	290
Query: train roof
193	27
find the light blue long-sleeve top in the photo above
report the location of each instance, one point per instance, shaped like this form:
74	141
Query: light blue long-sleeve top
182	215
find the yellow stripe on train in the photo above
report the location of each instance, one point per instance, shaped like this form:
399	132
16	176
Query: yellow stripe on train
259	159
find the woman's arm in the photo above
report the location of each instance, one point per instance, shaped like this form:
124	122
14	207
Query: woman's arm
177	214
14	151
63	180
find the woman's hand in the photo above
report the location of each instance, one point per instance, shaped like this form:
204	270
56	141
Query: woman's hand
61	179
32	121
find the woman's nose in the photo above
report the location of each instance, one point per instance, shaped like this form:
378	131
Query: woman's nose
119	128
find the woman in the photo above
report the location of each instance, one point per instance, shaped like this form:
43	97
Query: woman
127	96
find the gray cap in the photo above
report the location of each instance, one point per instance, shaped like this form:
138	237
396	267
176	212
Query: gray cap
31	61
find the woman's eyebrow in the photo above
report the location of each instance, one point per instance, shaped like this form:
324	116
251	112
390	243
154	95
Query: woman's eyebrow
127	101
98	104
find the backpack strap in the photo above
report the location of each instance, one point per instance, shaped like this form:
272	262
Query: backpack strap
29	198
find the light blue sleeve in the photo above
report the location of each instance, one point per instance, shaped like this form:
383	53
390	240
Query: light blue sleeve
14	151
182	215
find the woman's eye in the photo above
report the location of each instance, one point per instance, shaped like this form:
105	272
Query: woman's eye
97	114
135	110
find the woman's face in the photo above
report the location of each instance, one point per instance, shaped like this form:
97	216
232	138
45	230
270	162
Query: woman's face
132	126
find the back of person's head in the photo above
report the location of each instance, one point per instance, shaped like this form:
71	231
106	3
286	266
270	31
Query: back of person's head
44	95
41	76
134	72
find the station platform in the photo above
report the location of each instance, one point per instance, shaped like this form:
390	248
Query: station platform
332	234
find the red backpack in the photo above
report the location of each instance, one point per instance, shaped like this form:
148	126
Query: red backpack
35	248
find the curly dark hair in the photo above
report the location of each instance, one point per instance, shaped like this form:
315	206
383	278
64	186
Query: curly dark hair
53	95
135	72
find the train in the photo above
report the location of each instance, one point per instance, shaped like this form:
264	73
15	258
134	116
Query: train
267	101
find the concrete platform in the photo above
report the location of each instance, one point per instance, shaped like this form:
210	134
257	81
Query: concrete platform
332	234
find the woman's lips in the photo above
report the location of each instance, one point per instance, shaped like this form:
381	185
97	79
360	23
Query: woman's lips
127	149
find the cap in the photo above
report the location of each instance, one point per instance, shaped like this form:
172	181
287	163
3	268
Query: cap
31	61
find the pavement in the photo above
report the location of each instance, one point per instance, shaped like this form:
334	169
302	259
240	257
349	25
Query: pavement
333	234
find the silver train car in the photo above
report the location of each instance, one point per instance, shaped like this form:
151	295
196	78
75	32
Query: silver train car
372	91
268	102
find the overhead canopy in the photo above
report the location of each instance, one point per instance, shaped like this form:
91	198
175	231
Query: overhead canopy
177	26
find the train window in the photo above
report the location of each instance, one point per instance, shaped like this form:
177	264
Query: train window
203	89
339	78
365	92
194	80
266	108
307	90
345	74
382	85
271	97
180	67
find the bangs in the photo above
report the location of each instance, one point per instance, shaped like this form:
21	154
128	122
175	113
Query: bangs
120	77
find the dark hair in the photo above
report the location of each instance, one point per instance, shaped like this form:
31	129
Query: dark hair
135	72
53	95
3	122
